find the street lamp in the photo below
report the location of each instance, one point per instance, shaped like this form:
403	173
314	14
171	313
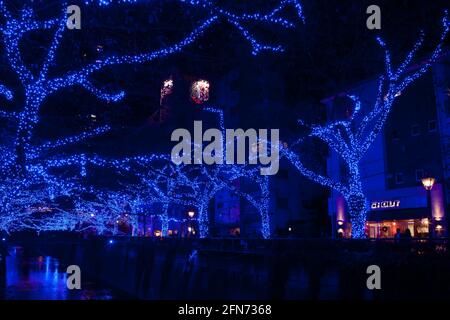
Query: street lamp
428	184
191	214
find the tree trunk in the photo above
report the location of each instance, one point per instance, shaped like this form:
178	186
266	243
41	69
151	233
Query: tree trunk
165	220
357	206
203	219
134	225
263	209
28	120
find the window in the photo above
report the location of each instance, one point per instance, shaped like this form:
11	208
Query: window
432	126
399	178
415	130
419	175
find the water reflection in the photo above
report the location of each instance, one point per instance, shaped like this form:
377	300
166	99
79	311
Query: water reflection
43	278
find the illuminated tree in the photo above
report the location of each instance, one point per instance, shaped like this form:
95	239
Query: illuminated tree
223	176
352	137
27	161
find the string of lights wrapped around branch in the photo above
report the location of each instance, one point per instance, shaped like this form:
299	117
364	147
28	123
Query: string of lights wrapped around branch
350	139
26	164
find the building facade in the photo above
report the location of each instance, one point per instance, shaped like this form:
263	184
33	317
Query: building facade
414	144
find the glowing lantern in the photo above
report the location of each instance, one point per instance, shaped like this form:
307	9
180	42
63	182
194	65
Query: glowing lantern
200	91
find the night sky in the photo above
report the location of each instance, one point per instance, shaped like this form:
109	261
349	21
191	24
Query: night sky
329	53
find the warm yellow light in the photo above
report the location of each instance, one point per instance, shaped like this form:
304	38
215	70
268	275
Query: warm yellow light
189	229
425	221
191	214
157	233
340	230
428	183
438	227
340	222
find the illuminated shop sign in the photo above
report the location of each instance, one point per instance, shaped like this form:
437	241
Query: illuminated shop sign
385	204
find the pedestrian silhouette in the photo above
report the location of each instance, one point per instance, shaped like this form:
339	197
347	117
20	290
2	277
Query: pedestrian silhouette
408	234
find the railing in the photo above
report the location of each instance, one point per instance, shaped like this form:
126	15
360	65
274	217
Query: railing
325	246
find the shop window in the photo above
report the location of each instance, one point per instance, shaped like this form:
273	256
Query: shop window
399	178
419	175
432	126
415	130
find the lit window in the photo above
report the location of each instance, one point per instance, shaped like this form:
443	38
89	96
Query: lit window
200	91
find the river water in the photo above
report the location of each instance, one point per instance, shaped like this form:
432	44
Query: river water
36	277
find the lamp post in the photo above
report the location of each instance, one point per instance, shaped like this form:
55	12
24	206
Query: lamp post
428	184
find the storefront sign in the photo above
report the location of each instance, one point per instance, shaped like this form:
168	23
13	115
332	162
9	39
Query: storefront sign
385	204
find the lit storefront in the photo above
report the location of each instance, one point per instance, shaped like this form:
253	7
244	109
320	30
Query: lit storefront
406	210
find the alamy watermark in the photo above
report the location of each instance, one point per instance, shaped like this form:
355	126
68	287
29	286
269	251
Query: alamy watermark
240	147
74	18
74	277
374	280
373	22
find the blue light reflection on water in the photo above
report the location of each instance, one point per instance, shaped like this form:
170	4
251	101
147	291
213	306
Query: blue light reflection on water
43	278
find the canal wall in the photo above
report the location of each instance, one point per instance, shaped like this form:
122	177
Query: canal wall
257	269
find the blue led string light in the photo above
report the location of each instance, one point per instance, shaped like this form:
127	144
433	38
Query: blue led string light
25	166
351	138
